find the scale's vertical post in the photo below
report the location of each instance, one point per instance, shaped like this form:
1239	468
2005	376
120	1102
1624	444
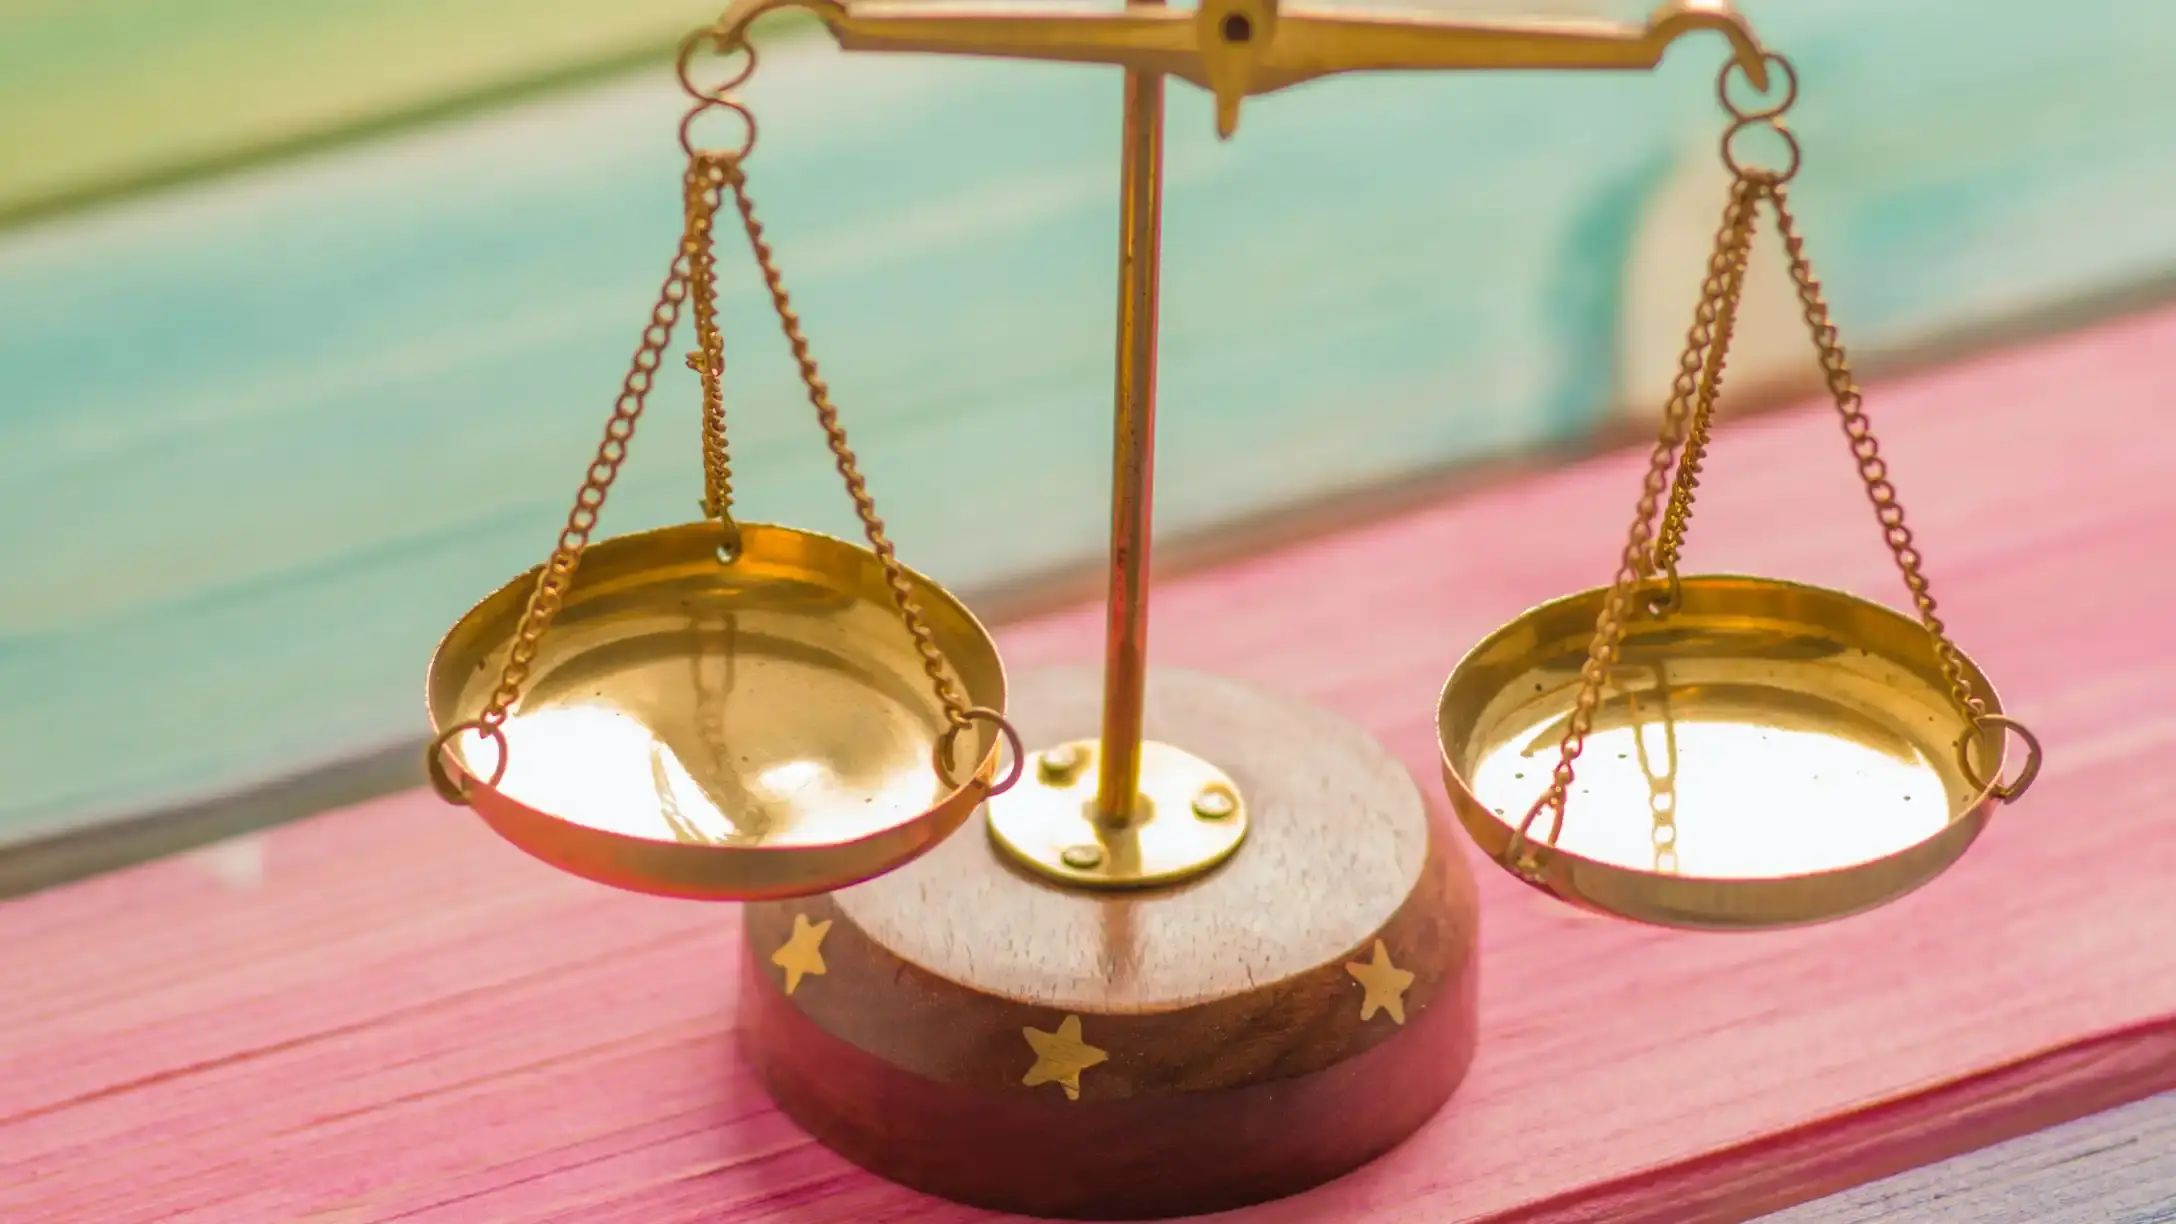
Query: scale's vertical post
1133	444
1148	811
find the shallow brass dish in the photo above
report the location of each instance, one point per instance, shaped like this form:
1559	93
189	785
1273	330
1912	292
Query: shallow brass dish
741	731
1794	749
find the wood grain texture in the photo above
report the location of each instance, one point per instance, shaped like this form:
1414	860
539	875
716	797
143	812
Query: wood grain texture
2114	1167
1239	1056
1830	1155
357	391
385	1014
90	87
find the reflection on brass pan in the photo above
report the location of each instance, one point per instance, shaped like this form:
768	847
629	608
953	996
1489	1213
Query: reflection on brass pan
692	730
754	822
1795	760
801	598
1638	700
1673	643
683	829
1780	710
1661	779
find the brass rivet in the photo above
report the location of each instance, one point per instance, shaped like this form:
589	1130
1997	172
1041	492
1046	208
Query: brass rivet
1060	763
1082	858
1215	803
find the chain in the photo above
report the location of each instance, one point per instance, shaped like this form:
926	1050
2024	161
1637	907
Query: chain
1694	396
558	573
1873	471
1662	783
705	184
725	169
1874	474
956	709
1699	364
1720	305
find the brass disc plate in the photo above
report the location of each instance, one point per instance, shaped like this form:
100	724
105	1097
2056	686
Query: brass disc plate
1189	816
725	731
1770	754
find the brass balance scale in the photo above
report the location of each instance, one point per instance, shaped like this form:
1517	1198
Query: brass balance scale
1210	947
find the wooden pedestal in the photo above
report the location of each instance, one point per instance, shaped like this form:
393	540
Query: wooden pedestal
967	1029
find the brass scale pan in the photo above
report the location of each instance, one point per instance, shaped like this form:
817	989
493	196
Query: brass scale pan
724	731
759	730
1770	754
720	710
1767	754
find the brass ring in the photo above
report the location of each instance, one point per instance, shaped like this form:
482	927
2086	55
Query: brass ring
2008	792
687	129
1771	178
434	760
941	751
717	40
1759	114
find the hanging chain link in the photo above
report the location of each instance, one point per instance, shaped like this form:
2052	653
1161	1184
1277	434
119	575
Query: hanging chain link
706	183
1682	444
1700	363
693	273
1874	474
956	709
1722	311
557	575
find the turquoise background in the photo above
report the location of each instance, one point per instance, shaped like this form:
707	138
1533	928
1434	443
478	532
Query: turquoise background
262	439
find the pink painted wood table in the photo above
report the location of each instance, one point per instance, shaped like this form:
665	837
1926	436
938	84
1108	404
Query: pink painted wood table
402	1019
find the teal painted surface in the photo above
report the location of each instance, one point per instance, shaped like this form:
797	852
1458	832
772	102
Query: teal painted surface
273	435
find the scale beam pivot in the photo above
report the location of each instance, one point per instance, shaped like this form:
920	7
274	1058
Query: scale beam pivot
1237	49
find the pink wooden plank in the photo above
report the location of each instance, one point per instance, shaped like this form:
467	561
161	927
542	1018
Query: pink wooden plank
407	1020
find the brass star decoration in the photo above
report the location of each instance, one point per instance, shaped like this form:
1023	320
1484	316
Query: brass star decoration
1060	1057
802	954
1385	984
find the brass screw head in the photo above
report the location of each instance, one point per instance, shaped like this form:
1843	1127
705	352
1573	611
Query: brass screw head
1082	858
1059	764
1216	803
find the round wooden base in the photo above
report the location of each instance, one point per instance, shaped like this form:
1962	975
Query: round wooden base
964	1028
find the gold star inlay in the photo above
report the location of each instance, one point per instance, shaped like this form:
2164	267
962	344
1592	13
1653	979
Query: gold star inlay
1060	1057
1385	983
802	954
